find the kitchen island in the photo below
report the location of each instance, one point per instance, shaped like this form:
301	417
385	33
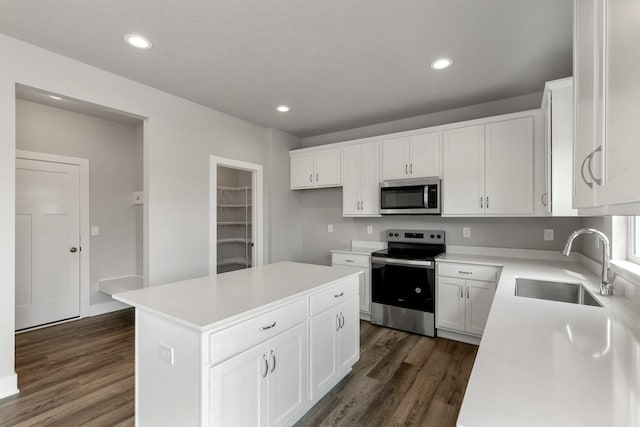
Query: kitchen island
252	347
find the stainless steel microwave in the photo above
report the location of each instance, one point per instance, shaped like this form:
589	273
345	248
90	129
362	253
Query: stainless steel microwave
410	197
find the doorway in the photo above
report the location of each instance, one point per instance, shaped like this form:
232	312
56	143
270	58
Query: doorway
236	215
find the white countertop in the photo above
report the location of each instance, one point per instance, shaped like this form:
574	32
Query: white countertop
212	301
361	247
551	363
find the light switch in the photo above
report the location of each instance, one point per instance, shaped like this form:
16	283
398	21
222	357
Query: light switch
369	229
330	228
165	353
466	231
548	234
95	230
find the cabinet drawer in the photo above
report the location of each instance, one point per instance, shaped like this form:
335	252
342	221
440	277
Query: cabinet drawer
235	339
334	296
355	260
468	271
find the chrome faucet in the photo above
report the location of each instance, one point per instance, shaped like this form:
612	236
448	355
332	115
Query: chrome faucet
606	287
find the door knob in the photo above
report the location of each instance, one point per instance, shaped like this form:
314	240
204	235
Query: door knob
73	249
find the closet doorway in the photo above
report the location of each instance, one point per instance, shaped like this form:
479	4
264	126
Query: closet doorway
236	212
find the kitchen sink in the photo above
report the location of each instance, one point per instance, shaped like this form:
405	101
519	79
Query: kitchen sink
573	293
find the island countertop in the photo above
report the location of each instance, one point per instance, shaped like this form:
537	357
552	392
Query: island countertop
213	301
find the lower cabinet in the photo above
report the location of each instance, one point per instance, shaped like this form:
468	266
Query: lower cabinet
265	385
334	346
362	263
462	303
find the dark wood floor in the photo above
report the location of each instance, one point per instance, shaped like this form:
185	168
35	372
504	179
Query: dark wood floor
75	374
401	379
81	373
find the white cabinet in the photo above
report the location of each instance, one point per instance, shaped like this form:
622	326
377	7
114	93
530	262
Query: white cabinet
313	168
488	169
557	107
463	299
361	263
361	179
414	156
266	385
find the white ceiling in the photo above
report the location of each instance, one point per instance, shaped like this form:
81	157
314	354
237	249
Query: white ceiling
338	64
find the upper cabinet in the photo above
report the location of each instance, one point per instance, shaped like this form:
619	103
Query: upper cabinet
557	107
361	179
607	96
315	168
413	156
488	169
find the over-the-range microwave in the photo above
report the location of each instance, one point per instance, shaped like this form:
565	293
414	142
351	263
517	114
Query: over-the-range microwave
410	197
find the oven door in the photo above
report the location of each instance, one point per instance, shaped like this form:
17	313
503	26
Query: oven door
403	283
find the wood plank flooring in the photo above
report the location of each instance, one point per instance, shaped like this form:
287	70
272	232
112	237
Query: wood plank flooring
81	373
400	379
75	374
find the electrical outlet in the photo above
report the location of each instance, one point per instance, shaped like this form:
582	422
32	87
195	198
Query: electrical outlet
330	228
165	353
95	230
466	231
548	234
369	229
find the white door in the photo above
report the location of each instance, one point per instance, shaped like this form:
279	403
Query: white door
450	309
351	184
509	167
47	242
288	375
349	334
324	351
302	170
395	155
479	297
370	179
327	167
425	155
463	171
239	389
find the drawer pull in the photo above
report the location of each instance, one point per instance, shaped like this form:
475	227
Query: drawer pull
264	328
465	272
339	295
350	260
266	365
273	355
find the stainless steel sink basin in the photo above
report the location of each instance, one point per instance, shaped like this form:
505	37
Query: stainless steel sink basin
574	293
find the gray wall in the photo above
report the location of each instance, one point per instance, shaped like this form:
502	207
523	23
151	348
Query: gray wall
115	164
324	206
488	109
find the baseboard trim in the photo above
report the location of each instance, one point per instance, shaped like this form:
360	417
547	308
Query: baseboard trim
469	339
9	386
107	307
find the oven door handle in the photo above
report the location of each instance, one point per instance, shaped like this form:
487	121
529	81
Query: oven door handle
404	262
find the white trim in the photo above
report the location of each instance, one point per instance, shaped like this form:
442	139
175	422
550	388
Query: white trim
631	257
85	236
450	335
9	386
537	254
107	307
257	201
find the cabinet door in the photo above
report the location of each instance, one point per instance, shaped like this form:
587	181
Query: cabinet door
351	162
479	296
450	304
288	375
424	151
365	291
395	155
588	99
349	335
509	167
239	389
463	171
327	167
302	170
622	102
370	179
323	351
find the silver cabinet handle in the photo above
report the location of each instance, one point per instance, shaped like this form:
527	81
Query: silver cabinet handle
465	272
487	202
341	320
406	169
411	168
461	292
544	199
340	294
317	177
481	200
264	328
362	205
273	355
311	178
73	249
596	180
467	292
266	365
584	162
337	322
350	260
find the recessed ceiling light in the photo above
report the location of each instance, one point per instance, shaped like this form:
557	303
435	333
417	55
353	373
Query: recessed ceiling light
138	41
283	108
442	63
57	98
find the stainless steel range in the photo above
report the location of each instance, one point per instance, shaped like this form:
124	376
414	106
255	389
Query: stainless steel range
403	281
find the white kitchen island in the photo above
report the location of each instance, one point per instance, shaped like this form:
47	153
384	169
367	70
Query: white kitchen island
251	347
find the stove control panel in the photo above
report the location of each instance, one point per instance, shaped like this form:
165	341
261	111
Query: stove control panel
416	236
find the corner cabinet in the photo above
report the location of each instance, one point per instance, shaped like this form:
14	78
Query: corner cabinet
413	156
361	179
464	294
488	169
315	168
